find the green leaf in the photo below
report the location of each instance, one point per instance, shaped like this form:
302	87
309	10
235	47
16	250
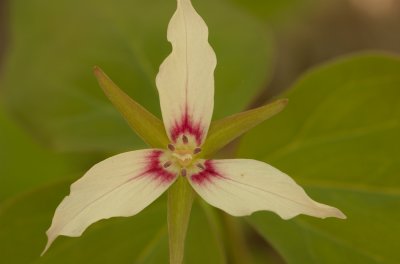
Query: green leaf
225	130
24	163
271	10
339	139
48	83
138	239
148	127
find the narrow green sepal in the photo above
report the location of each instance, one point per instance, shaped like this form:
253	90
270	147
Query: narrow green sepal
225	130
180	200
145	124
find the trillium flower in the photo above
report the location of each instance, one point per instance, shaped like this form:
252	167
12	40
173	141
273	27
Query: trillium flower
125	184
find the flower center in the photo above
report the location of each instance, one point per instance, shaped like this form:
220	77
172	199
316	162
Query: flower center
183	154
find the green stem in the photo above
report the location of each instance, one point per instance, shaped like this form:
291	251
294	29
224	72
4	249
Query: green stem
180	200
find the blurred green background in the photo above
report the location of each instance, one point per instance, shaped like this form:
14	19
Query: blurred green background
336	60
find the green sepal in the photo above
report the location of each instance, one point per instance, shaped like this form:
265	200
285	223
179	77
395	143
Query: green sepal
145	124
227	129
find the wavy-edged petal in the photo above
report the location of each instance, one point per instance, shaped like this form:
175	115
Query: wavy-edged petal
243	186
185	81
121	185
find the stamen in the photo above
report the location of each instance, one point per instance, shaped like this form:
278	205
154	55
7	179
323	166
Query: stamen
196	150
185	139
171	147
183	172
199	165
167	164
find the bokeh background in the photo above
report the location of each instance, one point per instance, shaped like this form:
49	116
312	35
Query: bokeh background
336	60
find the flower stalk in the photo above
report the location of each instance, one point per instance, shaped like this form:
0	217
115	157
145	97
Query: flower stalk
180	200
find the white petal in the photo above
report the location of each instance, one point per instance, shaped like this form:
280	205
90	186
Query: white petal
185	81
241	187
122	185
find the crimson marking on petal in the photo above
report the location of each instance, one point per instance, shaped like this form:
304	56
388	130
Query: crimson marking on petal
187	125
155	168
207	174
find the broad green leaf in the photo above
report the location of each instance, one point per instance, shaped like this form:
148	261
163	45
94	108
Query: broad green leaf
48	82
24	163
270	10
339	138
138	239
227	129
148	127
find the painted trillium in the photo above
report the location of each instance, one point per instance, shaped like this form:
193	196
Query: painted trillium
125	184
